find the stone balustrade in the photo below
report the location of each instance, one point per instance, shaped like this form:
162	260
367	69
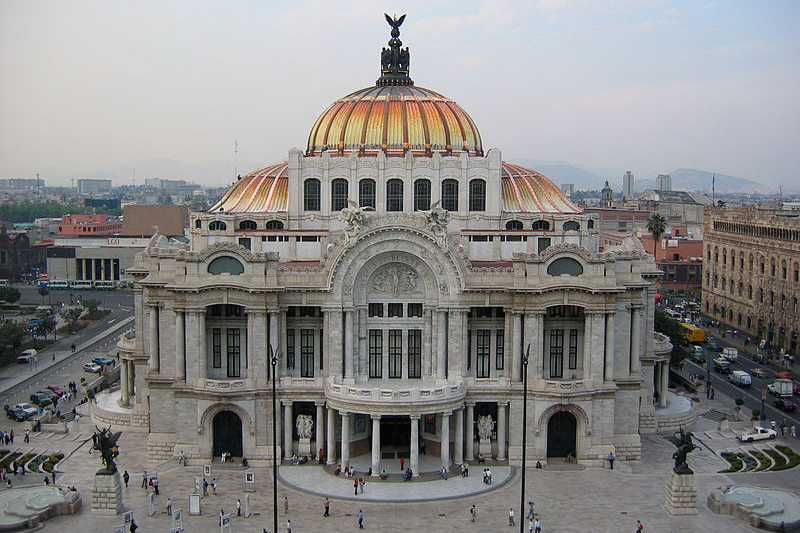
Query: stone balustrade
399	397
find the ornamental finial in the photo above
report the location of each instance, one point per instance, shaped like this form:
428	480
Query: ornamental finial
395	60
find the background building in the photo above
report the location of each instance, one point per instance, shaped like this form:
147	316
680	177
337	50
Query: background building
752	272
628	186
663	182
88	224
88	186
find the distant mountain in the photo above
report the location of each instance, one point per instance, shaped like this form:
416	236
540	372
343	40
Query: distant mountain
691	179
560	172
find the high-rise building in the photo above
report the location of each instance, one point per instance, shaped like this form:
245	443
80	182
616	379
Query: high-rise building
627	185
87	186
663	182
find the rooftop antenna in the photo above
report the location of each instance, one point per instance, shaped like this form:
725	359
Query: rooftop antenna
134	175
38	191
235	159
713	189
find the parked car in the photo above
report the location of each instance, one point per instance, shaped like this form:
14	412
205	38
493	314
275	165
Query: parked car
758	372
27	408
61	391
42	400
50	394
92	367
785	405
28	356
17	414
104	361
757	433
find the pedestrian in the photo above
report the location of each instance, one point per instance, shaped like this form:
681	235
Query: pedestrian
611	458
155	485
133	527
53	475
125	477
712	393
221	514
530	525
783	428
144	480
510	516
327	505
792	431
321	456
169	506
205	487
639	526
402	464
238	507
773	424
537	526
27	435
182	459
361	484
531	512
360	519
355	487
214	485
285	505
473	513
288	526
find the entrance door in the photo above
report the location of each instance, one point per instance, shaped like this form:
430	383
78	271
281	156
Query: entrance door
395	436
561	432
227	434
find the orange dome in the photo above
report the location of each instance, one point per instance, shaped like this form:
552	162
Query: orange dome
262	191
395	120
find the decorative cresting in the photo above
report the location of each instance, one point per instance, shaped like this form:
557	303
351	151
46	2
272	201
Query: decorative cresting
262	191
395	61
527	191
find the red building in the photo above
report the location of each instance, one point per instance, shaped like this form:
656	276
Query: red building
681	259
89	225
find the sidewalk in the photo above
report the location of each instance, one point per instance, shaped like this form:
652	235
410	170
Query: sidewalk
12	376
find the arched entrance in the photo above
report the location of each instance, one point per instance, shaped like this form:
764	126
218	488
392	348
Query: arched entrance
561	434
227	434
395	436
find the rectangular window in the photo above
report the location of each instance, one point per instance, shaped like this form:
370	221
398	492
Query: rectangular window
395	353
556	353
395	310
415	353
573	349
375	310
234	352
414	310
500	348
307	353
543	244
483	312
321	344
290	349
216	348
483	352
245	241
375	353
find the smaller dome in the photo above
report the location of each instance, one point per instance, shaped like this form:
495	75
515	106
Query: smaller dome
262	191
528	191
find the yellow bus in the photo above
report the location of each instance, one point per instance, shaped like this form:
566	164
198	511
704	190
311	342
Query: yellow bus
693	333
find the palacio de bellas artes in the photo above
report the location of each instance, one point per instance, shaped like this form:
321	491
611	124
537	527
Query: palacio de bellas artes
404	277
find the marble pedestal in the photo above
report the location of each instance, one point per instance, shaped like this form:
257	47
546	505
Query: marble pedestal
485	448
304	448
107	494
681	494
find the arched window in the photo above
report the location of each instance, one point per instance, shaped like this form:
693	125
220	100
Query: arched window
217	225
311	195
541	225
784	270
590	224
366	193
571	225
450	195
477	195
394	195
564	265
274	224
708	253
422	195
338	194
198	224
225	265
247	224
513	224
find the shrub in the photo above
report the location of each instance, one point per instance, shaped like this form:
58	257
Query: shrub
756	414
794	458
736	464
765	462
778	460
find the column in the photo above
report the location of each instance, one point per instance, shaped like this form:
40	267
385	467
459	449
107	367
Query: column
287	429
458	438
538	347
326	342
529	336
608	364
445	442
131	378
201	343
124	383
376	445
501	430
508	335
427	339
516	348
180	345
331	436
319	442
348	344
635	340
345	439
465	345
456	344
441	345
470	438
586	363
153	333
598	347
274	332
281	369
414	443
258	359
662	394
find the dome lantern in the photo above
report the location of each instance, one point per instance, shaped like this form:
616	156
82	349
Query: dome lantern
394	60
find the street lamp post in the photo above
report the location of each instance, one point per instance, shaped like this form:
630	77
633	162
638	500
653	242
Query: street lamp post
274	361
524	437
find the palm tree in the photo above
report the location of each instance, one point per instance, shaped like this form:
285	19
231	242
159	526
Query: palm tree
656	225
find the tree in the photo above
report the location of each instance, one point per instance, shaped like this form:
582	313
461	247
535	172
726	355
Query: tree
91	305
47	326
676	333
9	294
12	334
71	316
43	291
656	225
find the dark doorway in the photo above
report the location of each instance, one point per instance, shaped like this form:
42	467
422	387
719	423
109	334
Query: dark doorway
227	434
561	432
395	436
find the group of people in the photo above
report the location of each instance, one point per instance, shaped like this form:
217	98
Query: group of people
358	486
783	428
348	471
487	476
297	460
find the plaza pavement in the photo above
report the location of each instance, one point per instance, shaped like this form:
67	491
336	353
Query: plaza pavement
589	500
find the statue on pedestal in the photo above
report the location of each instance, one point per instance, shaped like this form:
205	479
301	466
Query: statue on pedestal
106	443
305	424
683	441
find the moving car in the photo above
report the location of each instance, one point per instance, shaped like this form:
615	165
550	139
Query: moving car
722	365
783	375
17	414
781	388
104	361
740	378
27	408
785	405
43	400
61	391
761	358
731	354
28	356
713	345
758	372
757	433
92	367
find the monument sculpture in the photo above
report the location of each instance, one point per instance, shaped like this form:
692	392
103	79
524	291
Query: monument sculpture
438	218
485	429
107	489
354	217
681	485
305	426
683	441
395	60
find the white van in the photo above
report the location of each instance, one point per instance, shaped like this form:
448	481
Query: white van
731	354
27	356
740	378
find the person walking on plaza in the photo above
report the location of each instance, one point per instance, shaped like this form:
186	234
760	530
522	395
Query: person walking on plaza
355	487
402	464
360	517
238	507
537	526
169	506
639	526
133	527
510	516
611	458
473	513
144	480
712	393
288	526
126	477
530	525
214	485
792	432
327	505
531	512
361	484
285	505
205	487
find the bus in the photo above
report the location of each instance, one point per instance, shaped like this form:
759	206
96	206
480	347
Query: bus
58	284
693	333
105	285
82	285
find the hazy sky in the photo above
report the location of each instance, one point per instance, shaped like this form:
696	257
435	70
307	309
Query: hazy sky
645	85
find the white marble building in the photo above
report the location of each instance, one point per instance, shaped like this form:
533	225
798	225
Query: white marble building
400	274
